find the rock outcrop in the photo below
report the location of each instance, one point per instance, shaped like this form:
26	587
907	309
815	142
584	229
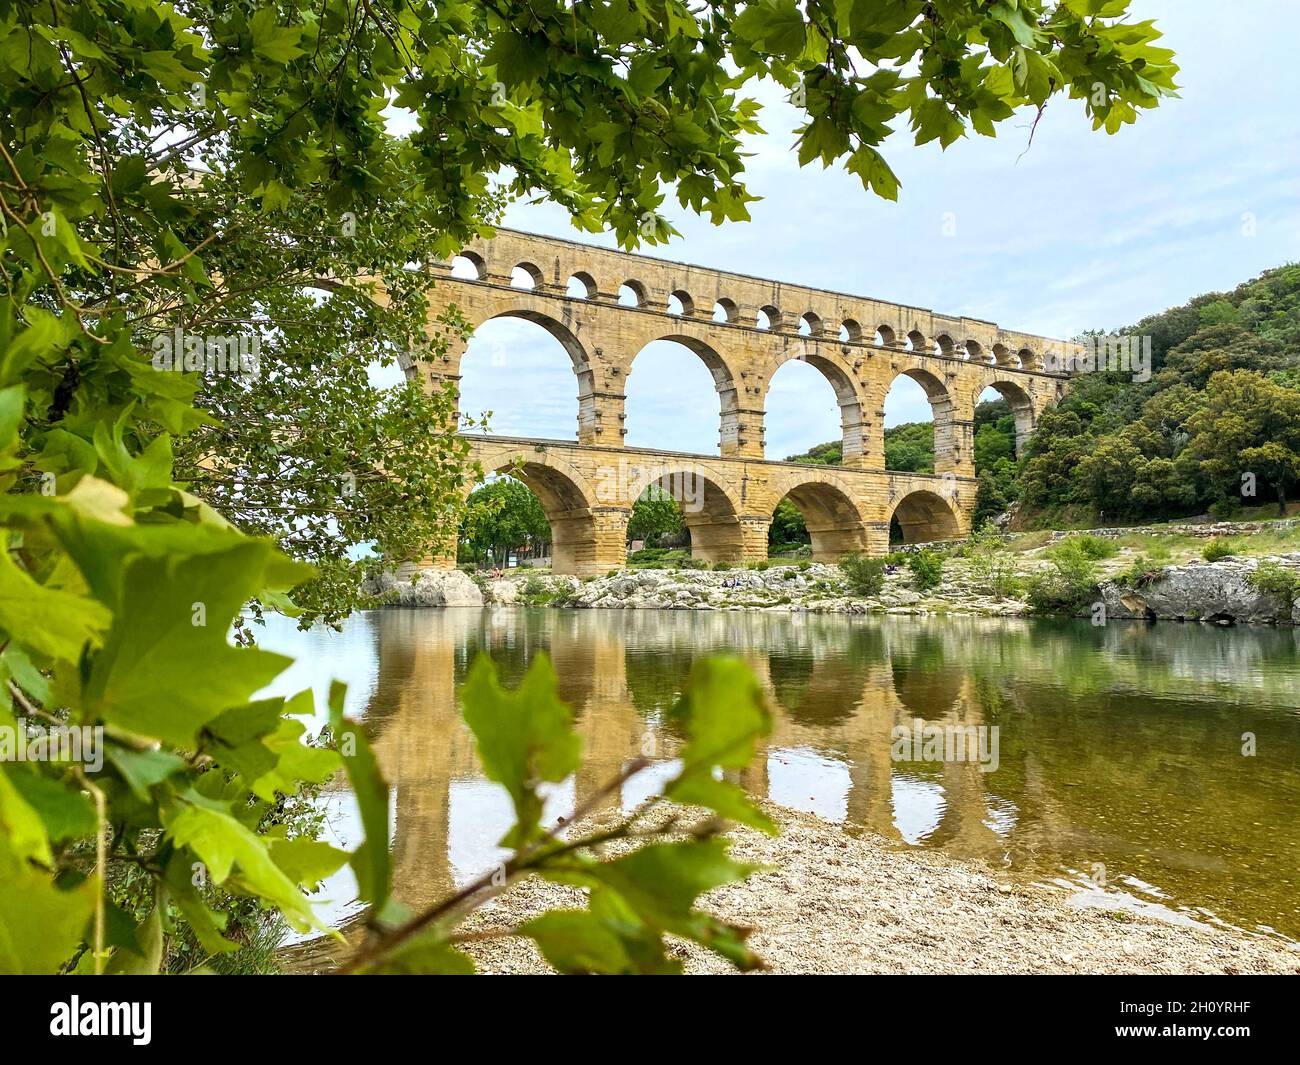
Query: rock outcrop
1203	591
437	587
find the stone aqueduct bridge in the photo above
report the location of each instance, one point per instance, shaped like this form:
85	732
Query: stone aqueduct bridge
743	329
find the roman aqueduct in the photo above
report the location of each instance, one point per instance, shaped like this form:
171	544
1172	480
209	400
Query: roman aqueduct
743	329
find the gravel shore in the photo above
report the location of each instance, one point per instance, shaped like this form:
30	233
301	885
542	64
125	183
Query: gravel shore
835	903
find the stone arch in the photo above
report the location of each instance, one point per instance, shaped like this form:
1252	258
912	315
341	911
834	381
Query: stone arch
572	346
847	397
1030	359
834	520
585	283
975	351
924	516
916	342
771	314
711	508
725	310
569	501
724	382
637	291
810	324
885	336
943	345
527	271
684	302
1022	409
942	413
850	332
468	266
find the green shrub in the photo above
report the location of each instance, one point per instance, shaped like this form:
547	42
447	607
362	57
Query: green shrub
1219	548
789	574
1068	586
1225	509
694	563
1141	572
1281	582
722	565
865	576
927	569
804	567
760	566
1091	547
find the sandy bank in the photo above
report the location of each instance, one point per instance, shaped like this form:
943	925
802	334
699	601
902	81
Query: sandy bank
841	904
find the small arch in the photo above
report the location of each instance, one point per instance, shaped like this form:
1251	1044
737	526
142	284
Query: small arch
581	286
834	523
972	351
915	341
850	332
885	336
631	294
810	324
768	317
943	345
1030	359
1000	355
680	303
924	516
526	275
725	310
467	266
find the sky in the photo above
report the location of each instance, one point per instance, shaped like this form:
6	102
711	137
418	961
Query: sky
1079	230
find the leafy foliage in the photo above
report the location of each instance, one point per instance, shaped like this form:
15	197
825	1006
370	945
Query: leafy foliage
501	518
927	569
865	576
198	182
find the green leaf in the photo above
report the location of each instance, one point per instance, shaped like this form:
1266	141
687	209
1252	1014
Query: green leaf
66	812
143	769
166	668
228	848
40	925
21	825
523	737
306	861
50	621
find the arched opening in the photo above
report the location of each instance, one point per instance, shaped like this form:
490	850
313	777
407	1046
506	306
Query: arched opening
679	391
768	318
944	346
972	351
631	294
884	337
581	286
541	516
519	369
810	325
681	304
1006	409
831	523
1000	355
526	275
918	422
467	267
1025	357
725	310
915	341
713	529
812	405
922	517
850	332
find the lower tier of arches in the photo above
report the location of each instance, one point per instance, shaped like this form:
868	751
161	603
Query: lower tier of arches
727	505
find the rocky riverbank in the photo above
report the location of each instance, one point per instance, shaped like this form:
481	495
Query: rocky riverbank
829	902
1219	592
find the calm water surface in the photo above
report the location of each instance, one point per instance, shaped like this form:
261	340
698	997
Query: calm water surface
1120	776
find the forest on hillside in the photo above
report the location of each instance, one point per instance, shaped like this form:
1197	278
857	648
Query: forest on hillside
1216	428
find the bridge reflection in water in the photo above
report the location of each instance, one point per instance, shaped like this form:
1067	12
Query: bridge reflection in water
1119	748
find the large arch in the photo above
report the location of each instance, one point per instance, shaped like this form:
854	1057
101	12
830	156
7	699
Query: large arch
565	337
1022	408
569	502
834	521
941	410
924	516
854	447
724	384
710	508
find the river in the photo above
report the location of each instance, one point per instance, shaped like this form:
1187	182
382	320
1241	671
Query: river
1120	771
